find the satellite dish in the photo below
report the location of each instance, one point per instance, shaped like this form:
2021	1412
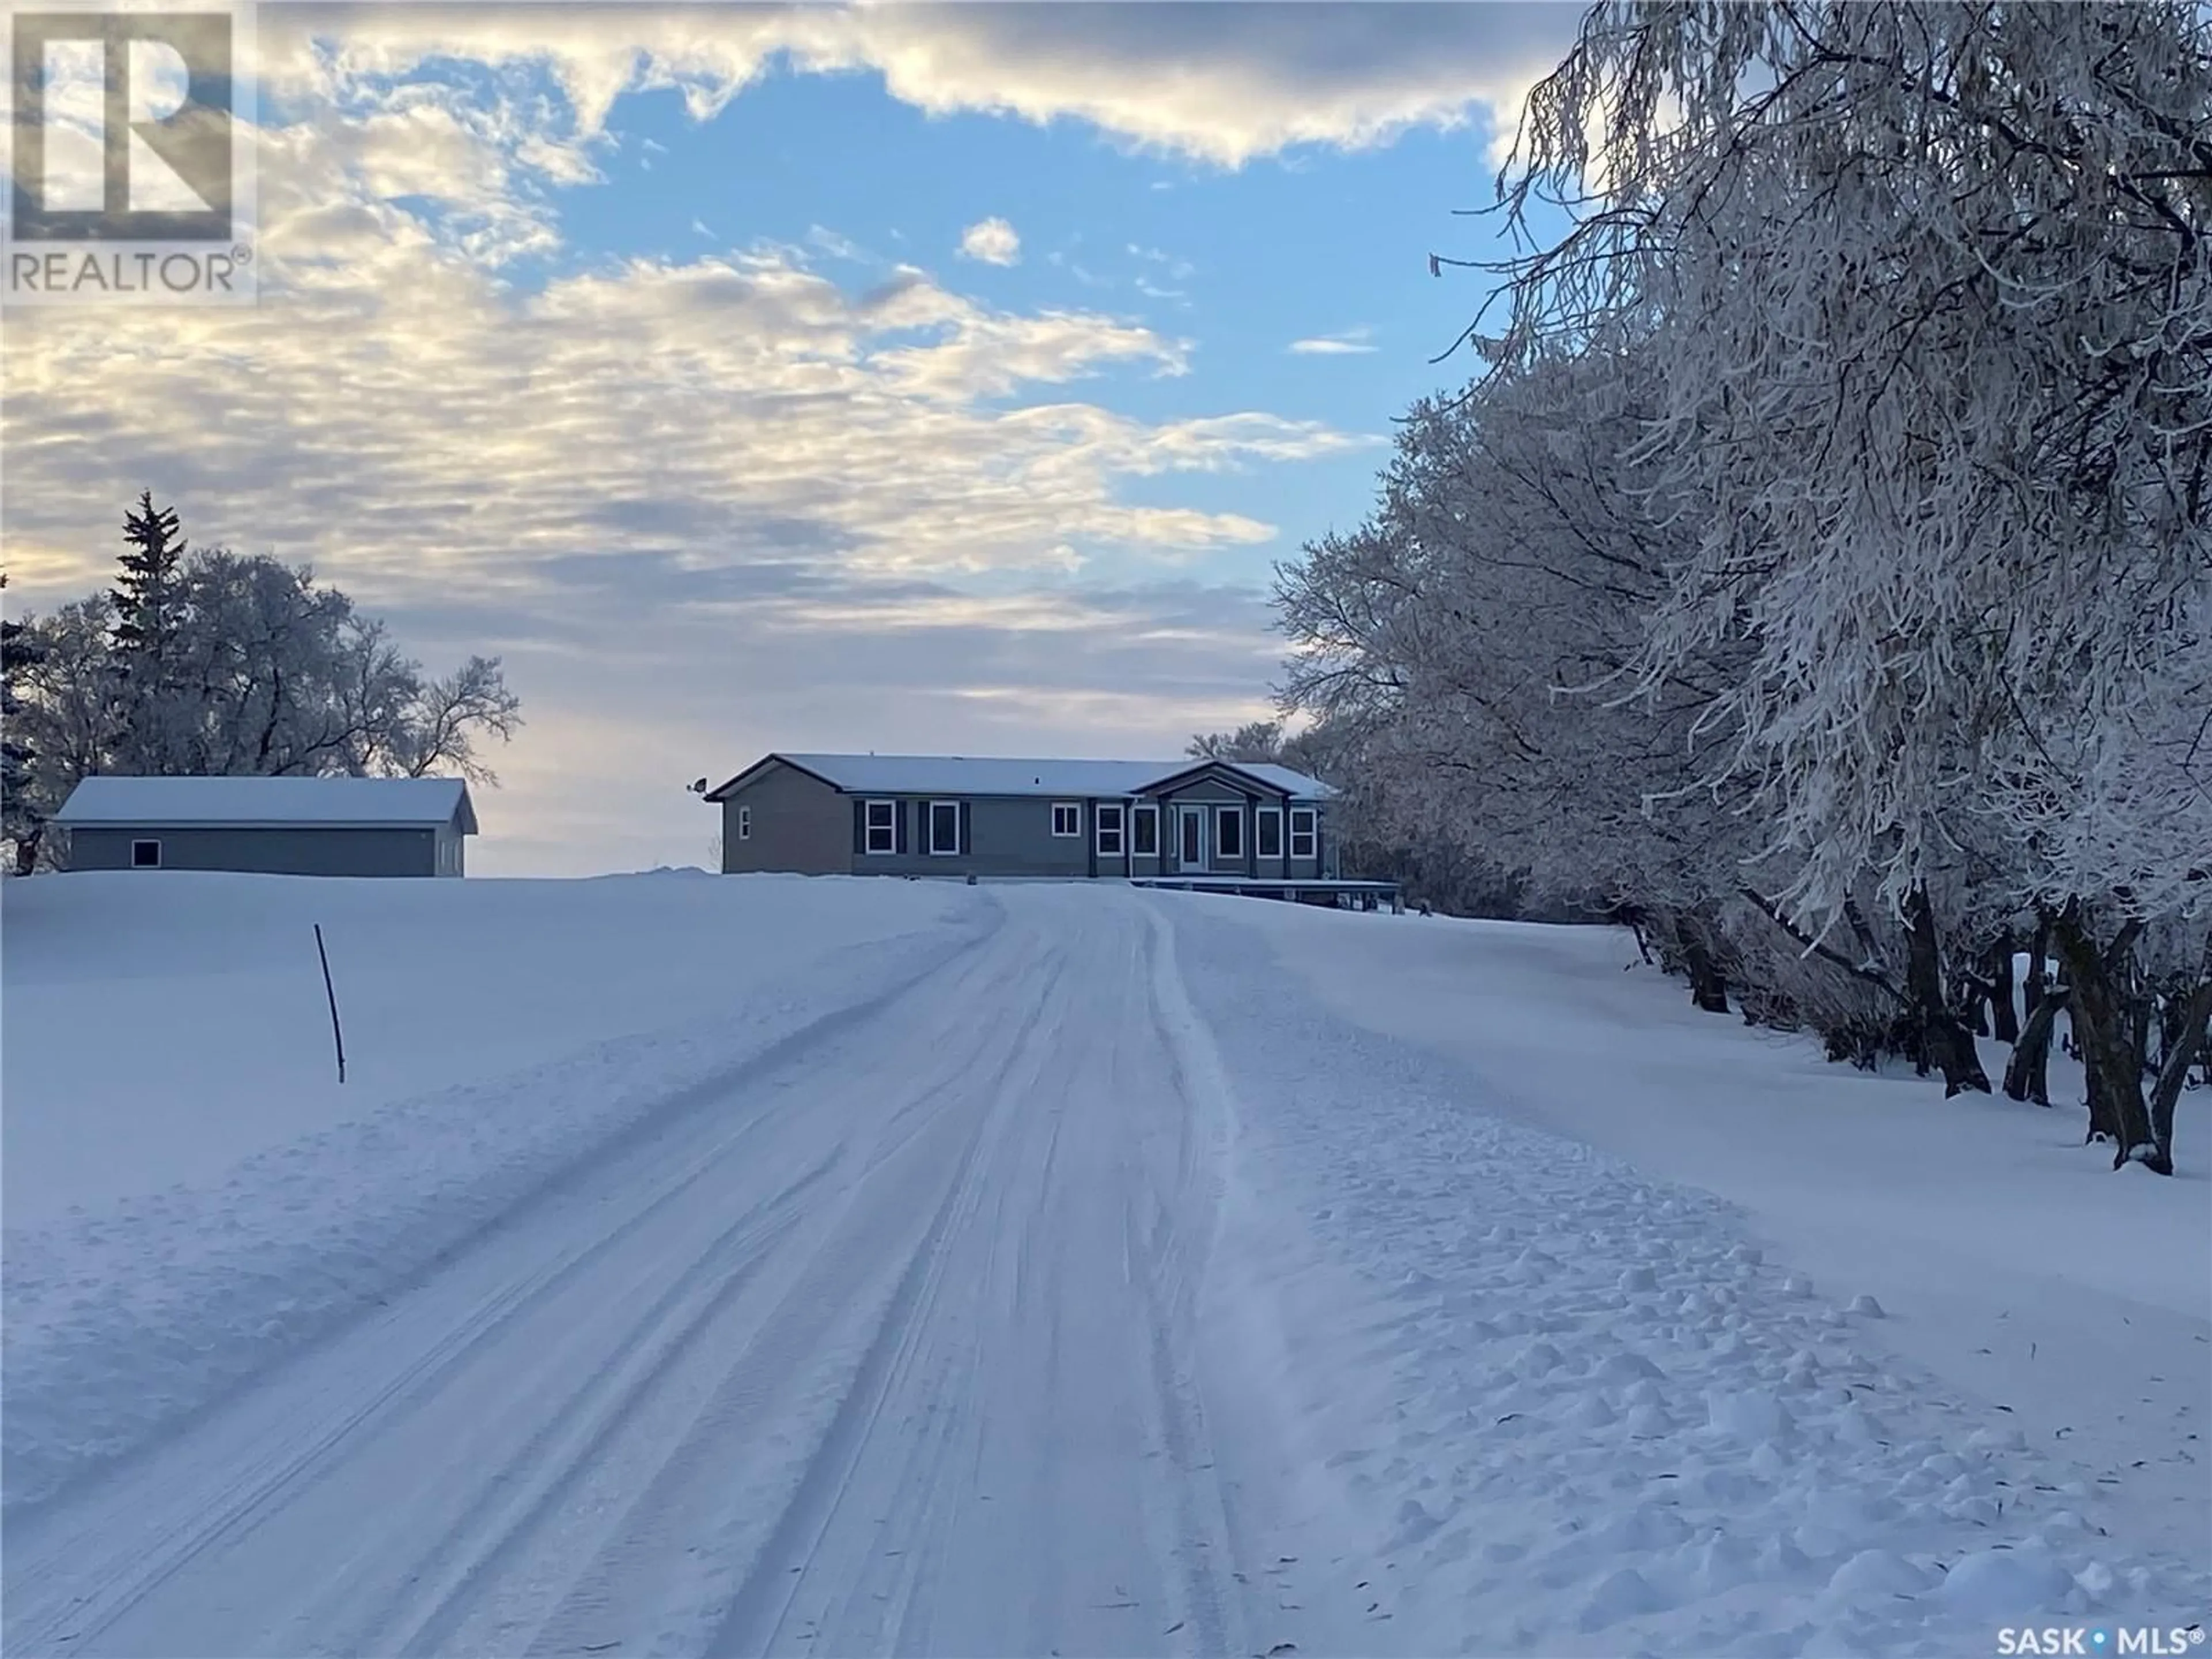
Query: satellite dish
699	787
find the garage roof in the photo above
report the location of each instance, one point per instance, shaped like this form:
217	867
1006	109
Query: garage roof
268	803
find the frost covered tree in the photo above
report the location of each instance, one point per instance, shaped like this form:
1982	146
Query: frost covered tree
1937	314
263	671
1472	632
279	674
1930	293
66	715
20	653
1310	748
1255	740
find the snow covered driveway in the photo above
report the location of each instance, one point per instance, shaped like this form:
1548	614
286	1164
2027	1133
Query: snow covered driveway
1053	1274
888	1349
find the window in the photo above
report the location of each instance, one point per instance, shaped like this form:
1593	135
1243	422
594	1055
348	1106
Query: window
1109	831
1304	831
1144	832
1229	832
882	826
145	855
944	826
1066	818
1267	831
744	824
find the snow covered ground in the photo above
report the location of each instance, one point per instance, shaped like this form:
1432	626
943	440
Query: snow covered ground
2007	1257
190	1192
844	1267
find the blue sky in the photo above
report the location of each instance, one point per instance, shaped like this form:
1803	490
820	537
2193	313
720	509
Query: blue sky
910	377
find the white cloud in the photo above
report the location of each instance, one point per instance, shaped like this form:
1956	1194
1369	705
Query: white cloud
1175	267
1224	85
1351	343
993	241
839	246
395	411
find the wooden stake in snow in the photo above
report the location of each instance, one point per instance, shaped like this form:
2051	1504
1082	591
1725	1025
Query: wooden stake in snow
338	1037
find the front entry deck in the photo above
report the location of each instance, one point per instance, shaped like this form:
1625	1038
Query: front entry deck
1361	895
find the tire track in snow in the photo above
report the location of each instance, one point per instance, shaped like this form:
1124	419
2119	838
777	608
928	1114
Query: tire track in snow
269	1469
643	1482
221	1478
975	1516
889	1346
799	1340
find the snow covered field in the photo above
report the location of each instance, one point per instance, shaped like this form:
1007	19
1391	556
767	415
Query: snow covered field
840	1267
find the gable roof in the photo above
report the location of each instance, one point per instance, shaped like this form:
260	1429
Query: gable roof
986	774
268	803
1297	784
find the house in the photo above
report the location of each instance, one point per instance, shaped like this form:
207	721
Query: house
278	826
921	815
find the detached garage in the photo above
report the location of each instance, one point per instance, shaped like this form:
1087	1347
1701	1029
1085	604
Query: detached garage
273	826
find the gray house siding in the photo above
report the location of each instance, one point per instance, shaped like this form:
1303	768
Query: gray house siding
1001	836
786	820
289	850
780	816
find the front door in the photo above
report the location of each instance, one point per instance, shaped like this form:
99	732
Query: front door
1191	831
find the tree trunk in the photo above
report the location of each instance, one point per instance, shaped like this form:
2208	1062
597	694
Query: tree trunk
2004	1019
2038	962
1945	1040
2103	1028
2027	1074
2104	1120
1708	986
2186	1039
2143	1019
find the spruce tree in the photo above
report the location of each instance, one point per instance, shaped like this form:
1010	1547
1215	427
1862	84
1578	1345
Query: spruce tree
145	593
148	599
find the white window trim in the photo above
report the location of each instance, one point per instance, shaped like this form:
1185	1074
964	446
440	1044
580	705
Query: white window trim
935	851
146	840
1222	815
870	829
1120	822
1308	834
745	825
1267	815
1074	810
1145	810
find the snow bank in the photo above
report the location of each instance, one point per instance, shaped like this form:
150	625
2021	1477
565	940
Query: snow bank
189	1193
1583	1410
2014	1260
